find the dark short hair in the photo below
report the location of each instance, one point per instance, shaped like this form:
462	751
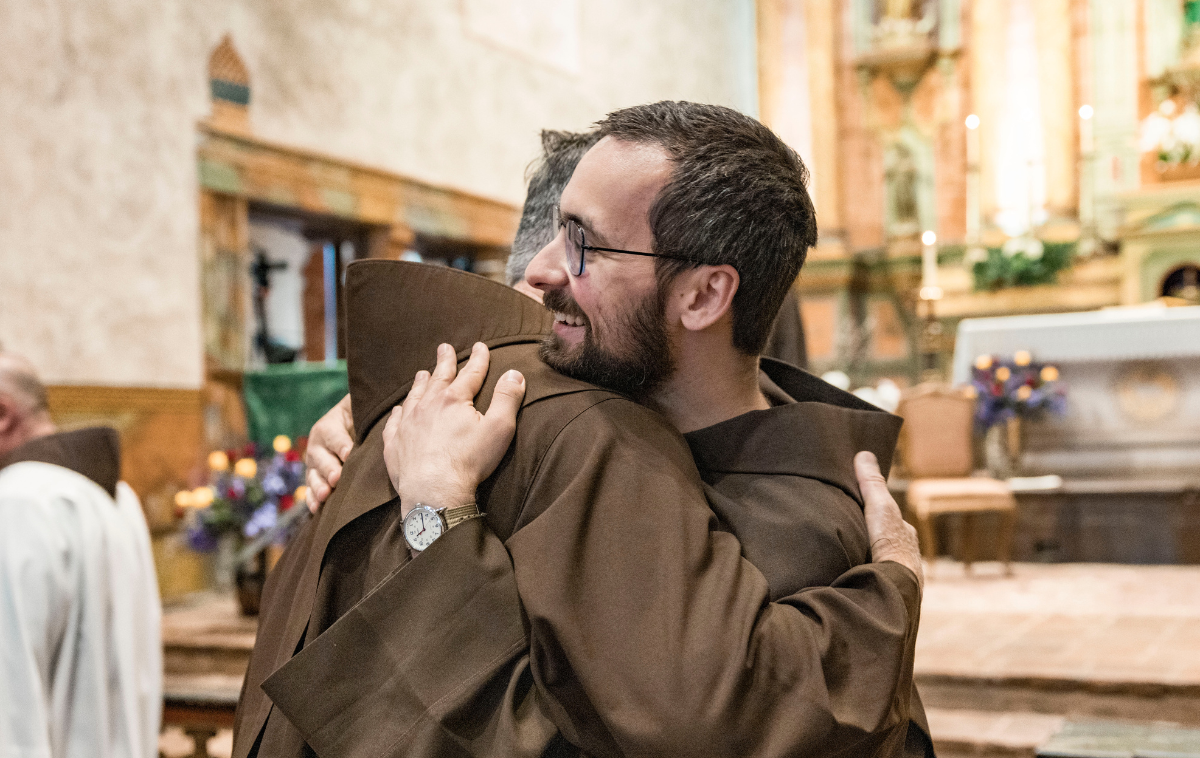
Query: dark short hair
738	195
547	177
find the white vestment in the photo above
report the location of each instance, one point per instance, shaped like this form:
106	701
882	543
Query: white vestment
80	619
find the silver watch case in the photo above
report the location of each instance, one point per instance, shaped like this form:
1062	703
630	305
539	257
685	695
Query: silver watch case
420	516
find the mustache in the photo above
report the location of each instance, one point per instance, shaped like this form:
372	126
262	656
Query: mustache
559	301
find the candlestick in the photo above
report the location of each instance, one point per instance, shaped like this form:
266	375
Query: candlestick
1087	213
929	274
1086	137
973	212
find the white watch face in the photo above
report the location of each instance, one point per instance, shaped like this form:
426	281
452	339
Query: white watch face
422	526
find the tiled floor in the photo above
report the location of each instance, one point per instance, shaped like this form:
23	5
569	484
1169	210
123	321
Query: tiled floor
1099	622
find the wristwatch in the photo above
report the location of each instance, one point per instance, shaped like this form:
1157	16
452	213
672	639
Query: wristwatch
424	523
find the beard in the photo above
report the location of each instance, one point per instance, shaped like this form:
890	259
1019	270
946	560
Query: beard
637	366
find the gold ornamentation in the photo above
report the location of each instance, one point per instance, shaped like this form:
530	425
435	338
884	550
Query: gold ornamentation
1146	393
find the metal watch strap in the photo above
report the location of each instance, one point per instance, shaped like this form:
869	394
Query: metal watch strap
455	516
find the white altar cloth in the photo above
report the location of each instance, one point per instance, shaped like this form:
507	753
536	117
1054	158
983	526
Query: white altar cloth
1113	334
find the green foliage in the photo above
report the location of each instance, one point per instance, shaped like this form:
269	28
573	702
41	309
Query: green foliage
1191	13
1019	270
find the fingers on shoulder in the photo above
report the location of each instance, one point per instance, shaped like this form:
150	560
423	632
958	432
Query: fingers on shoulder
471	376
447	365
506	399
866	468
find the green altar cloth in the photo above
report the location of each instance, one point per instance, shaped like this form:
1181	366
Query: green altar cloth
288	398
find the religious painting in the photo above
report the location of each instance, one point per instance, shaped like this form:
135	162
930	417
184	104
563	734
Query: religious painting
901	173
908	181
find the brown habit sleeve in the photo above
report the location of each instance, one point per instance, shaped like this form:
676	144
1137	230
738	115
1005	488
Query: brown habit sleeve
651	634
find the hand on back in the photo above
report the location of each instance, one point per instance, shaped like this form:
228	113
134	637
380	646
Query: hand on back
437	446
470	461
892	538
329	443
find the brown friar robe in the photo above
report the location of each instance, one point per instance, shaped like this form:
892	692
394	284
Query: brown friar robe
599	609
94	452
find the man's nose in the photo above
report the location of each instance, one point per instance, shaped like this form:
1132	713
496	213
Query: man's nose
548	269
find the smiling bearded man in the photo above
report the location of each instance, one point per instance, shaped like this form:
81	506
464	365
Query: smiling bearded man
633	625
636	366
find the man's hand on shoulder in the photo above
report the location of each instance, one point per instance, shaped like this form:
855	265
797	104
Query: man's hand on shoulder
892	538
329	443
437	446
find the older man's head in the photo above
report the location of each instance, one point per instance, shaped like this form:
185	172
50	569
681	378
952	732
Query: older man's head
24	413
561	152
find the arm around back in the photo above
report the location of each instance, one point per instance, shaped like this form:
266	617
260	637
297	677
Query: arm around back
651	634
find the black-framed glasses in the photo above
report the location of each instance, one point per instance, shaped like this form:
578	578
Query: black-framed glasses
577	245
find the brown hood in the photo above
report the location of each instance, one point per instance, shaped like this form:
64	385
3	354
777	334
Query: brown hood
815	433
408	309
94	452
411	308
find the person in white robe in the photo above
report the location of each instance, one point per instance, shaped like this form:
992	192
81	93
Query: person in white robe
80	616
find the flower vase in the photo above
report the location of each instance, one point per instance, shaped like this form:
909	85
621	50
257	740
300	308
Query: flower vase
224	560
250	577
1003	448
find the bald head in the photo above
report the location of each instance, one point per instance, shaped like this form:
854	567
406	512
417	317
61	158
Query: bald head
19	379
24	413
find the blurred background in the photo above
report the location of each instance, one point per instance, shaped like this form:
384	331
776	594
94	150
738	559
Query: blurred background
1008	195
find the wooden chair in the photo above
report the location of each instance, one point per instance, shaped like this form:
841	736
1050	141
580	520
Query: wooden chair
936	448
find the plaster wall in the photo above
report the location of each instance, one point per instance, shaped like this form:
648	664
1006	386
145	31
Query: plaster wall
99	101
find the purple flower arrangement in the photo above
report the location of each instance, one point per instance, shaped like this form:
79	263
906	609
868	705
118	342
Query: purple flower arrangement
246	498
1015	387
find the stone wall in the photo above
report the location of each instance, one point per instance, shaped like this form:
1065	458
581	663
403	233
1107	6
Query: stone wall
99	102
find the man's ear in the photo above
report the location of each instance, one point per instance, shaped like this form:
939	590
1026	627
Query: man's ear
706	295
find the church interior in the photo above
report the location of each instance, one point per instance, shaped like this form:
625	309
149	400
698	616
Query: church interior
1007	195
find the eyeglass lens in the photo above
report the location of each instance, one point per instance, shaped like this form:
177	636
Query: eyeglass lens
574	242
575	245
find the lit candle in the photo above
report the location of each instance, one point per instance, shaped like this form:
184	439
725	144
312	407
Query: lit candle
929	286
1087	208
1086	144
972	123
973	219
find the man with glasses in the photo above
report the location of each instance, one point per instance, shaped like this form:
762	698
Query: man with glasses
647	631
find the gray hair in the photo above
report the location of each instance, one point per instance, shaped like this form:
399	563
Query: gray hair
547	177
19	378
